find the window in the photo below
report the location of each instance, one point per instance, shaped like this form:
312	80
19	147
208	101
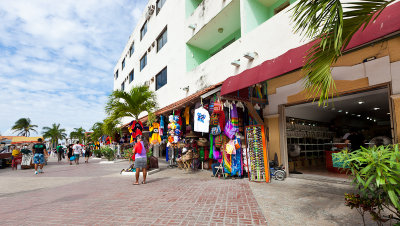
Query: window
281	7
143	61
123	86
132	49
161	78
123	64
131	75
160	4
162	39
116	74
143	30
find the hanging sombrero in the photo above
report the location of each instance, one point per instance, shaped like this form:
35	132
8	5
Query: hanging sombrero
191	134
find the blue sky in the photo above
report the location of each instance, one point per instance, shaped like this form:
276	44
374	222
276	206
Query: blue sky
57	58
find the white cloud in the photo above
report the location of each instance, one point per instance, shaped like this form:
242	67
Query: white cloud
57	57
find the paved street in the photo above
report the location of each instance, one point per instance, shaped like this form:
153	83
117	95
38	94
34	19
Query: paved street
96	194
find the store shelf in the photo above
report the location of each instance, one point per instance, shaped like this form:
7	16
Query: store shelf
311	137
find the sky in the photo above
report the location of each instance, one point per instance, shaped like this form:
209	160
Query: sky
57	59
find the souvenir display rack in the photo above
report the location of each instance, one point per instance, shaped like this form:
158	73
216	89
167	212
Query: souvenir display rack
310	136
257	154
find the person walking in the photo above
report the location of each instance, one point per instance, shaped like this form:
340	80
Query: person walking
69	154
39	153
140	160
77	151
15	156
83	150
87	153
60	152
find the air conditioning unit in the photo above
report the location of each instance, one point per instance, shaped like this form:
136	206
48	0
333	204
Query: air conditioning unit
150	11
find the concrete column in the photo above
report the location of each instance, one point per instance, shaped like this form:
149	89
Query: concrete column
396	116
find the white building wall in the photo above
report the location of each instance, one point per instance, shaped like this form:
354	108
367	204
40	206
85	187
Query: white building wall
269	40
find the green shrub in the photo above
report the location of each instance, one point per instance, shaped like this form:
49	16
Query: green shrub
108	153
97	153
128	153
376	176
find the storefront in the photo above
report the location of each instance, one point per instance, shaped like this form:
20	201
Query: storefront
314	133
302	134
207	131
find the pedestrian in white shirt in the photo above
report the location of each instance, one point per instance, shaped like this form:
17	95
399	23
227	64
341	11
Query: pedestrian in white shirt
77	148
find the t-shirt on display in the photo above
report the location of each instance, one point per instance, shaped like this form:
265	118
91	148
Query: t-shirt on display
201	120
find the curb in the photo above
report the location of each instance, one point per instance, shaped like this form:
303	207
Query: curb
111	162
133	173
106	162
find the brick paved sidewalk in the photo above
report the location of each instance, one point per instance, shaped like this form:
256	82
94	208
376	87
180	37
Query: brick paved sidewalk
102	197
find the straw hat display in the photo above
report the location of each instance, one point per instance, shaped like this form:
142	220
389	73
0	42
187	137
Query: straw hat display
191	134
202	142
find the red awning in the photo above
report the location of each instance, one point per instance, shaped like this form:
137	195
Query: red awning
387	23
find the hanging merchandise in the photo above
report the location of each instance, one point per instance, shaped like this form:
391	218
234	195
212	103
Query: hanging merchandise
230	130
205	106
214	122
201	153
214	119
178	118
216	130
136	129
202	142
155	135
211	146
216	153
241	116
218	108
218	141
234	117
227	162
201	120
173	129
187	115
230	148
211	106
222	120
257	153
236	165
161	130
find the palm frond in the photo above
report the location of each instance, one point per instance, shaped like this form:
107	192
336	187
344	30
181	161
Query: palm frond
122	104
332	26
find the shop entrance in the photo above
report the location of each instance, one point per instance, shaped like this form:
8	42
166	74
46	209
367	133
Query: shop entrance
313	133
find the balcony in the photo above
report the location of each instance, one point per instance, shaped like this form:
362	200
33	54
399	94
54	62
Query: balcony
218	33
257	12
200	12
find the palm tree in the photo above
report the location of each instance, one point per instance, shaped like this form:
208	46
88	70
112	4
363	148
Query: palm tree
110	127
24	127
78	133
130	104
97	131
54	133
72	135
331	24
